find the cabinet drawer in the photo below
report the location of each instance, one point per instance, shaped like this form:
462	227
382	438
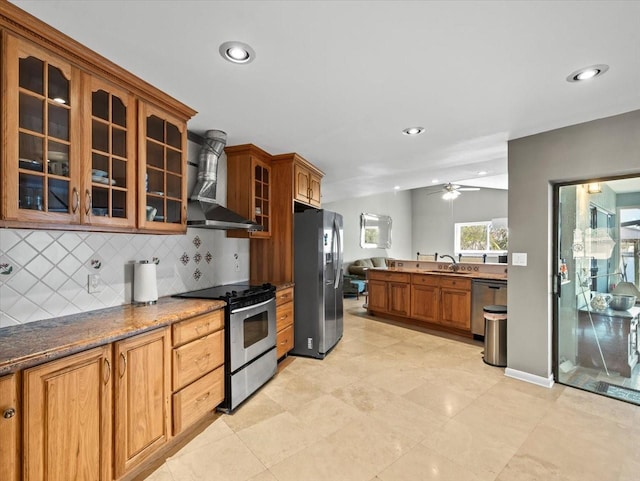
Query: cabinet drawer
284	296
197	358
197	399
388	276
425	280
198	326
455	283
284	316
284	341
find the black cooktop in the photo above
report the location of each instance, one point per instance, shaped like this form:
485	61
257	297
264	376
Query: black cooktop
232	293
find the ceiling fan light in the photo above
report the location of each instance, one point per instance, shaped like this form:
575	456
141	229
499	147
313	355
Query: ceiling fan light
450	195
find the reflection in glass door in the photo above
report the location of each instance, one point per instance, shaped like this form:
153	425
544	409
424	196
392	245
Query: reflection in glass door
596	318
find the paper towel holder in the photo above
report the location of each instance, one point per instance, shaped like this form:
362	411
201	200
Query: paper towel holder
145	286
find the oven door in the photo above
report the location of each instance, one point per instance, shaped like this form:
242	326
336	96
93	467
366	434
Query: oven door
252	331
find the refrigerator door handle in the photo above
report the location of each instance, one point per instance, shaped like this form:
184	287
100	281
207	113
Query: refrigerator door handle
337	263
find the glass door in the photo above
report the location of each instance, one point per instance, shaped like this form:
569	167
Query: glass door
596	316
41	153
162	171
110	191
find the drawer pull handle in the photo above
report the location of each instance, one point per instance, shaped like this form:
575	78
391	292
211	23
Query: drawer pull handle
9	413
284	317
201	362
203	397
202	326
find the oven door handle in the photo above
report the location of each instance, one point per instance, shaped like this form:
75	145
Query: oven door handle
252	306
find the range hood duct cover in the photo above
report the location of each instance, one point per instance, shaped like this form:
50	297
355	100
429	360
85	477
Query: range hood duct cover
203	209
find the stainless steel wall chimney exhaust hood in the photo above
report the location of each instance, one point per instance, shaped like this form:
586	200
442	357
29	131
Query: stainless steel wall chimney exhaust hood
203	210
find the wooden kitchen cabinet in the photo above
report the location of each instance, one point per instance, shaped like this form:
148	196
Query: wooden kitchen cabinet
197	367
284	321
378	295
41	155
307	183
425	302
439	300
142	390
162	179
249	187
109	185
67	418
69	158
455	299
399	303
389	292
10	420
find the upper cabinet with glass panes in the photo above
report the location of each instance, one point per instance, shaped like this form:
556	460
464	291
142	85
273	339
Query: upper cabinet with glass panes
162	165
73	153
41	161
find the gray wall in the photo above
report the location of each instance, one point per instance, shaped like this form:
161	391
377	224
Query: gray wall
434	218
601	148
397	205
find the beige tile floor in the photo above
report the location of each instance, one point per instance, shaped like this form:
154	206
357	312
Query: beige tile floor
392	404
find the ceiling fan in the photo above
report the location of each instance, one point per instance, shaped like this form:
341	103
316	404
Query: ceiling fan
452	191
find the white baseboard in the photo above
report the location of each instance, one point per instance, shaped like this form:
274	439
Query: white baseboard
528	377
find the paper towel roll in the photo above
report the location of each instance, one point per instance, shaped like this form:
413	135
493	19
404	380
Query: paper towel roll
145	286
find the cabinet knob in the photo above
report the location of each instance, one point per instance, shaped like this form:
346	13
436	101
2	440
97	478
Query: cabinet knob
9	413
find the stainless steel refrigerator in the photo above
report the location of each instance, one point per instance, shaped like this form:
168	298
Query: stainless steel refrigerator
318	282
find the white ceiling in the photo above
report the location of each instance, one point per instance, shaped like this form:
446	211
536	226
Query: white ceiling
338	81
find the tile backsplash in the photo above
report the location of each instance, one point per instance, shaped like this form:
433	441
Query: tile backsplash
44	274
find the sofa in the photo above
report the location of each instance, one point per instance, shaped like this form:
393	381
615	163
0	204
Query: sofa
357	271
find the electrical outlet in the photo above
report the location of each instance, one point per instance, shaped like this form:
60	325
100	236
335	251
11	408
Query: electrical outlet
93	283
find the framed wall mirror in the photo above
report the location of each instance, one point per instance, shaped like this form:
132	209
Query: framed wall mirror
375	231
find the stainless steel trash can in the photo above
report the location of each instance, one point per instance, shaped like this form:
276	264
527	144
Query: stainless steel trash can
495	335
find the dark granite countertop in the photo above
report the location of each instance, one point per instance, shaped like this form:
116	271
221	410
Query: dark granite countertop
37	342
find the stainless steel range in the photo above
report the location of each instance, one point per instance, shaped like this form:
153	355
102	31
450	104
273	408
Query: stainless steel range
250	337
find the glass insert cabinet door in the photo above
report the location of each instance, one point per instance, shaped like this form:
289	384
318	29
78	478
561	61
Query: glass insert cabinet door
596	287
41	102
109	195
162	170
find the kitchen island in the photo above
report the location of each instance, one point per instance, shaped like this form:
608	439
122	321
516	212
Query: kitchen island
429	294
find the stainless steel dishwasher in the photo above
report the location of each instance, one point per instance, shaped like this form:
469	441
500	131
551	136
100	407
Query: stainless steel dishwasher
485	292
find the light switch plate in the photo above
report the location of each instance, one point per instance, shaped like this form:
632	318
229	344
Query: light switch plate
519	259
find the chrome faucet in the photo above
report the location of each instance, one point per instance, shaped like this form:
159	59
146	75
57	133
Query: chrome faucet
454	266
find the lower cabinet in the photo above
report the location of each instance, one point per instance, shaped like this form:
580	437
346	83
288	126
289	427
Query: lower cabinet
284	321
10	416
98	414
455	300
142	390
436	299
198	372
67	418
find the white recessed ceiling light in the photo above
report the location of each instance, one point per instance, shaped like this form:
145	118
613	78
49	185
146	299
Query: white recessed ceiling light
413	130
435	181
483	172
587	73
237	52
396	187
